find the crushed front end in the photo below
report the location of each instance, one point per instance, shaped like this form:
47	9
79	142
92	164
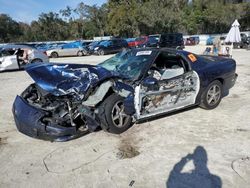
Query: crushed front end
42	115
65	100
52	108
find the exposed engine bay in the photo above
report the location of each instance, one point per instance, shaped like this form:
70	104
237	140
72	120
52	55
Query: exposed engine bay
60	110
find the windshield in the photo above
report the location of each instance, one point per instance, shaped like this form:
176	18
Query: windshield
94	43
105	43
140	39
129	63
153	39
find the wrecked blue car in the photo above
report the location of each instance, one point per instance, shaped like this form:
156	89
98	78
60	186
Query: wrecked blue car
69	100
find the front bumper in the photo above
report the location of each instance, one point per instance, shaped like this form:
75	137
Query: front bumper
28	122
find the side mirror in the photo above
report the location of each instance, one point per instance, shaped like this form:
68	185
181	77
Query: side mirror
151	83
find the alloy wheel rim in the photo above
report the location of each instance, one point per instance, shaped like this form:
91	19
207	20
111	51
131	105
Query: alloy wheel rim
119	118
213	95
101	52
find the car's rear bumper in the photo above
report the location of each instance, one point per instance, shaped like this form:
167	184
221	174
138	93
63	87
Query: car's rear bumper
28	122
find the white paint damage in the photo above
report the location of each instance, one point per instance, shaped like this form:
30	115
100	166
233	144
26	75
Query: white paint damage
172	94
99	94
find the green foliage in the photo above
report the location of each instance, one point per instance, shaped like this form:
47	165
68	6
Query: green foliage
129	18
9	28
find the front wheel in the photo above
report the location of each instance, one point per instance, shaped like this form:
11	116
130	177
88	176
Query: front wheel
101	52
80	53
114	117
54	55
85	52
212	95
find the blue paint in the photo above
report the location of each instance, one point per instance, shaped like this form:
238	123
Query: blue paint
65	79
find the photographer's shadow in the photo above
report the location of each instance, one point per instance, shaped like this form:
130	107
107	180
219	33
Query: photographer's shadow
198	177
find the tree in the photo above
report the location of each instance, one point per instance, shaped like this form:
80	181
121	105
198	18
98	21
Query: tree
124	17
9	29
129	18
49	27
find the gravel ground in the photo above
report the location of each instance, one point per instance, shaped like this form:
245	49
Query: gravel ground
193	148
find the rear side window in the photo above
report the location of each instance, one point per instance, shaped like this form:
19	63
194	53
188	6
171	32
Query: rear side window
71	45
7	53
153	39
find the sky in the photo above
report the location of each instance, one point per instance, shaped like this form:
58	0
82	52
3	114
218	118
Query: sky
28	10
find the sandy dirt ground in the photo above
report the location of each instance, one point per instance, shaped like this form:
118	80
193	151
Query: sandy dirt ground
192	148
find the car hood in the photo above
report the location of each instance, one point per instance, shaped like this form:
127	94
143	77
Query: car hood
63	79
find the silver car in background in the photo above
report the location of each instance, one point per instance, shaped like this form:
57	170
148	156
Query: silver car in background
17	56
71	49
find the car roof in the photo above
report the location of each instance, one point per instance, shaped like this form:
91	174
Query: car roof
172	50
166	49
15	46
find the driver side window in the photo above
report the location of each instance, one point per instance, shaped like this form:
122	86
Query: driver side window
167	66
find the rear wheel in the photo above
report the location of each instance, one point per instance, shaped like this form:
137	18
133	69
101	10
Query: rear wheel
101	52
114	118
212	95
84	52
54	55
80	53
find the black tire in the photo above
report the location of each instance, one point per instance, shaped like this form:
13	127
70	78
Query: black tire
80	53
109	113
54	55
85	52
101	52
36	61
211	97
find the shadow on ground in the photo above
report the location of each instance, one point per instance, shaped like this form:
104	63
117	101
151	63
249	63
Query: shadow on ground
196	178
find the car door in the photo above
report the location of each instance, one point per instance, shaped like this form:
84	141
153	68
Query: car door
8	62
73	51
176	90
111	47
117	46
68	50
60	51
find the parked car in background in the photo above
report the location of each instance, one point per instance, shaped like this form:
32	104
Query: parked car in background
110	46
222	39
92	46
131	42
48	46
77	48
244	43
31	45
193	40
67	101
210	41
169	40
189	42
141	41
153	41
14	57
